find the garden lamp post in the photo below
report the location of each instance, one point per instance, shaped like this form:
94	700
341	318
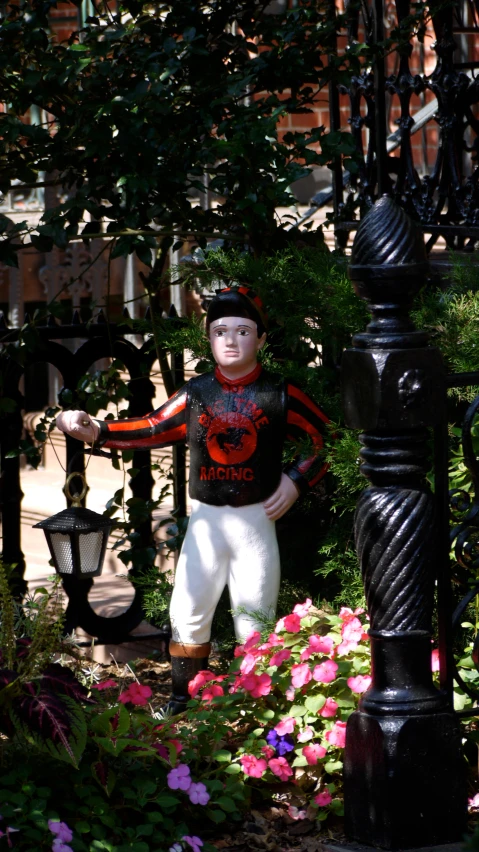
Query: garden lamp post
77	537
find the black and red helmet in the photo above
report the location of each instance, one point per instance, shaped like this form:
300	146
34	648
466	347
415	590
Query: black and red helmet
237	302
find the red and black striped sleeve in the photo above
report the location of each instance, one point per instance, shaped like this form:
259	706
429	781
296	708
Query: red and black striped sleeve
166	425
305	419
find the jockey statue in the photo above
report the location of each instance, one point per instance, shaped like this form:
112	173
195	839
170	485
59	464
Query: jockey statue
235	421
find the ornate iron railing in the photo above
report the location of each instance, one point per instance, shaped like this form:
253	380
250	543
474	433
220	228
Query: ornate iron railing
441	191
95	341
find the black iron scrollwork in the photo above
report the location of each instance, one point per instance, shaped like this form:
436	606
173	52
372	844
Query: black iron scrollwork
465	541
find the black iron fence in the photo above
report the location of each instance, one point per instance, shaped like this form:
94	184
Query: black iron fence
433	176
93	341
403	747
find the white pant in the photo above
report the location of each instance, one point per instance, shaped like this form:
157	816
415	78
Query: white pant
224	545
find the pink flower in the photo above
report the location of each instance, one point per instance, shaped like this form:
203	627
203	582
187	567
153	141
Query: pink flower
329	709
273	639
106	684
306	734
280	657
198	794
301	675
435	660
337	735
238	651
179	778
253	766
325	672
352	631
360	683
318	645
268	751
291	623
295	813
194	842
323	799
252	640
199	681
313	753
474	803
135	694
286	726
303	609
347	614
212	692
256	685
279	766
248	663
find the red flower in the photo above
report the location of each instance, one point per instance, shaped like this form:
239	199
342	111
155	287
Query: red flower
199	682
212	691
313	753
279	766
135	694
337	735
253	766
106	684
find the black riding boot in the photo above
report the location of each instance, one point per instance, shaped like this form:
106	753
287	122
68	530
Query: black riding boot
186	662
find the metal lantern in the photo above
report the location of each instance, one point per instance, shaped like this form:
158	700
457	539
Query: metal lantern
77	537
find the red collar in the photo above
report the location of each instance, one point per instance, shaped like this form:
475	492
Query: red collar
243	380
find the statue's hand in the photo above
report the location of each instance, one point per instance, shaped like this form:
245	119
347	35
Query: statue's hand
79	425
282	499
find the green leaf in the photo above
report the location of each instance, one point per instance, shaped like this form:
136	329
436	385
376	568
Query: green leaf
315	703
222	756
333	766
216	816
227	804
298	710
166	801
233	769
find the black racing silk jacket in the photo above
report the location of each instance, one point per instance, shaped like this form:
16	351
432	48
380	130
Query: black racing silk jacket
235	431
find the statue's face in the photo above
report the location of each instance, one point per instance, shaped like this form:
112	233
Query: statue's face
235	345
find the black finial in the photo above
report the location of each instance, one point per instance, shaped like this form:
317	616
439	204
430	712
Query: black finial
148	313
76	319
51	321
101	318
126	312
3	322
26	318
387	237
172	313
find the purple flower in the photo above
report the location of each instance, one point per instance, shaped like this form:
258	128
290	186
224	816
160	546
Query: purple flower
282	743
198	794
59	846
179	778
194	842
61	829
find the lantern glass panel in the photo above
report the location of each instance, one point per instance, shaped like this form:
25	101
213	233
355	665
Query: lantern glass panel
62	548
90	545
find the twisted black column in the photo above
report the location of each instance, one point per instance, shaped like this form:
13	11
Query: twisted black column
404	778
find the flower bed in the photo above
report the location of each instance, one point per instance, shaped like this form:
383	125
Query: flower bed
270	732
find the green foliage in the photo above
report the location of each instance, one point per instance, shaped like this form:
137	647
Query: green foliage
40	701
143	104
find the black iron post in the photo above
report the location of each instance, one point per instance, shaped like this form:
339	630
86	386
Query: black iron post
404	777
